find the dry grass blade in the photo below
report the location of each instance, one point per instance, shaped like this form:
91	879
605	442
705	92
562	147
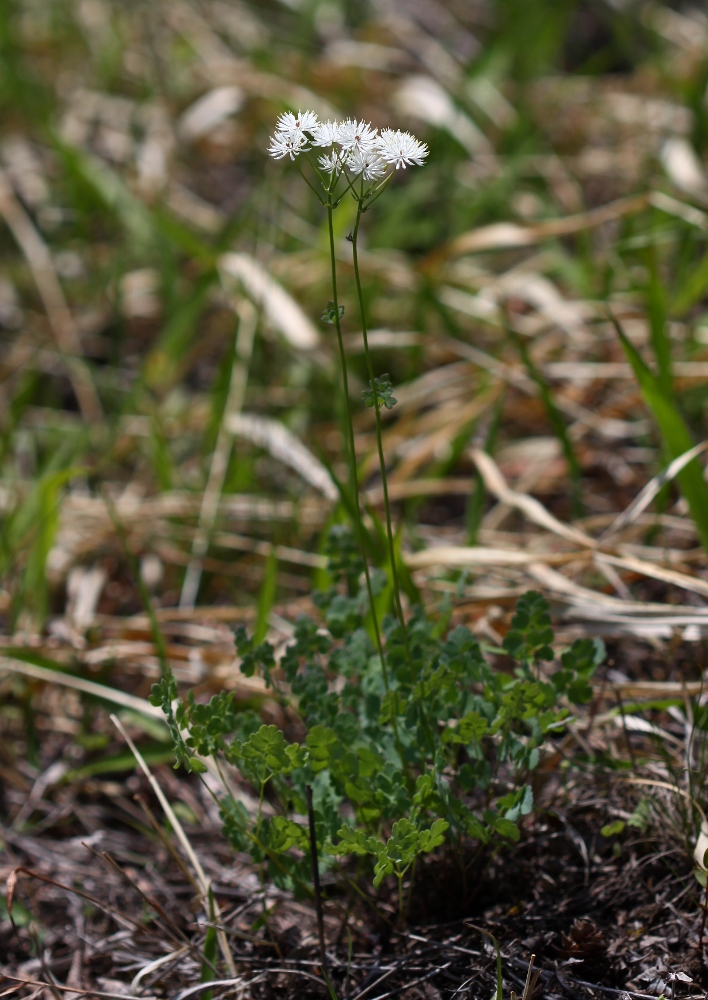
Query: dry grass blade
509	235
535	511
282	444
157	964
60	318
421	97
111	695
564	588
284	553
461	556
645	497
184	841
634	565
203	987
657	689
655	783
531	982
280	308
73	990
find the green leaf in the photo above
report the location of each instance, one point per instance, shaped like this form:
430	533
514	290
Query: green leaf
428	840
470	729
506	828
612	829
530	637
320	742
298	755
254	658
380	393
284	833
331	314
353	841
269	747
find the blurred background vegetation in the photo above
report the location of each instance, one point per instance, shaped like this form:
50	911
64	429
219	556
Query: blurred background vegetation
170	401
145	354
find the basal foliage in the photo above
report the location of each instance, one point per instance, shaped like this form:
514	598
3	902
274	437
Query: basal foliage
442	753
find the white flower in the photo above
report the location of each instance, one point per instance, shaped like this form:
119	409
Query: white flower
366	162
303	121
287	144
401	148
356	135
330	163
326	134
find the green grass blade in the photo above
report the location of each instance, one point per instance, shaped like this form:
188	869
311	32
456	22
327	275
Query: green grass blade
119	763
557	421
656	311
210	953
692	288
674	432
28	533
110	188
266	598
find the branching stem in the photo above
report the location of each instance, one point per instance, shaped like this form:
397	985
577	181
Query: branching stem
382	466
354	477
379	440
353	474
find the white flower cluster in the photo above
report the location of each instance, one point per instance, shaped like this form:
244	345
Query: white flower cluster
363	150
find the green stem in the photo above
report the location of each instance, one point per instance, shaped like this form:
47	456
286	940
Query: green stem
354	477
355	489
260	806
410	891
375	194
311	186
249	833
384	478
379	441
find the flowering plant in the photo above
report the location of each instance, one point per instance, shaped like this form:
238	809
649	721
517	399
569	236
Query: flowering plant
413	738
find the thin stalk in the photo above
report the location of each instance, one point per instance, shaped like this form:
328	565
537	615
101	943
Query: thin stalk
384	477
355	489
311	186
379	442
354	477
409	894
316	877
374	195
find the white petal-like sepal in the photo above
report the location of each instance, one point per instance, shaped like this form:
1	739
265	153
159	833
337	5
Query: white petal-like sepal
354	134
287	144
401	148
303	121
368	163
326	134
330	163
